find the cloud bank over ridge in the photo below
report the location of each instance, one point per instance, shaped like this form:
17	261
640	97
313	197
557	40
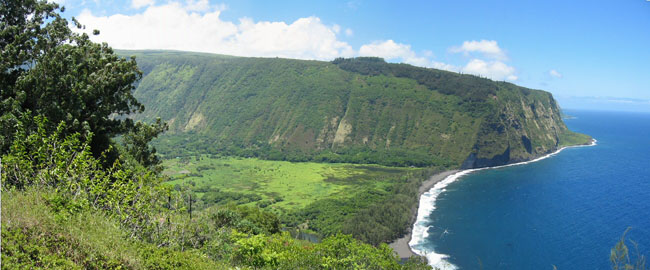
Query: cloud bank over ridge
195	25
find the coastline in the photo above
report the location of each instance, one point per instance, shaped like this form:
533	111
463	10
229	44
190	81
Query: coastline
402	246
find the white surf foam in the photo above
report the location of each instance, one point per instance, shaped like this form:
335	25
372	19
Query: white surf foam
428	205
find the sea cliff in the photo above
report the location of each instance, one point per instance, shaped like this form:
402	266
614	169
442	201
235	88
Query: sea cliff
360	110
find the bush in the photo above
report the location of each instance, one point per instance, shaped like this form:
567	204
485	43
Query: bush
65	163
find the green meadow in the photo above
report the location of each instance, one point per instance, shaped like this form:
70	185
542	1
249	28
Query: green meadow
284	184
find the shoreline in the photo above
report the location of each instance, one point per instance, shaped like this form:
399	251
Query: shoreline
402	247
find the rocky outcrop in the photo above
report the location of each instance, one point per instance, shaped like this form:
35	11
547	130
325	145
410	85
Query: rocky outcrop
524	127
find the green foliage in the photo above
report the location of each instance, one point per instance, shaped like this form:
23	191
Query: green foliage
136	143
246	219
76	200
344	252
266	221
215	196
569	138
280	251
157	258
372	203
280	184
113	192
360	110
66	164
49	70
122	195
63	207
621	259
371	216
251	251
35	237
44	159
469	87
22	249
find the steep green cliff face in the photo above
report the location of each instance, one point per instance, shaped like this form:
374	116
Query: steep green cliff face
350	110
522	125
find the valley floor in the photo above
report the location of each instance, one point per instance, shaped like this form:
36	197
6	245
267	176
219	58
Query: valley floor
280	185
374	203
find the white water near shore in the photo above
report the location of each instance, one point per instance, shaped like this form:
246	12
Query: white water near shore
428	205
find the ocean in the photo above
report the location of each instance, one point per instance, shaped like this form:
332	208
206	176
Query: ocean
567	210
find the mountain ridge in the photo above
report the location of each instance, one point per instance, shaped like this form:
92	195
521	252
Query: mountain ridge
360	110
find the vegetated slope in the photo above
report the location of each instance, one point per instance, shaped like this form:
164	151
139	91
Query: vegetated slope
360	110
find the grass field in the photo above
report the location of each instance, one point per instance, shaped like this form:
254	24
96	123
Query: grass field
284	184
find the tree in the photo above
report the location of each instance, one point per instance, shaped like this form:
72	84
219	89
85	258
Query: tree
47	69
136	143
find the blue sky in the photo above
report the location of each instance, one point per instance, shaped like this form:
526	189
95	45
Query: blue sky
599	50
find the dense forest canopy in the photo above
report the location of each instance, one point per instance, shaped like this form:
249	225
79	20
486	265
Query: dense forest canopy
469	87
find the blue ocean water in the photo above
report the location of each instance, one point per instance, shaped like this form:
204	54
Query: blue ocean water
567	211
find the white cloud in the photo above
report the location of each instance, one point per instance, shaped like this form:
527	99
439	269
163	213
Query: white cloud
555	73
488	48
197	26
141	3
387	49
198	5
444	66
495	70
390	50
